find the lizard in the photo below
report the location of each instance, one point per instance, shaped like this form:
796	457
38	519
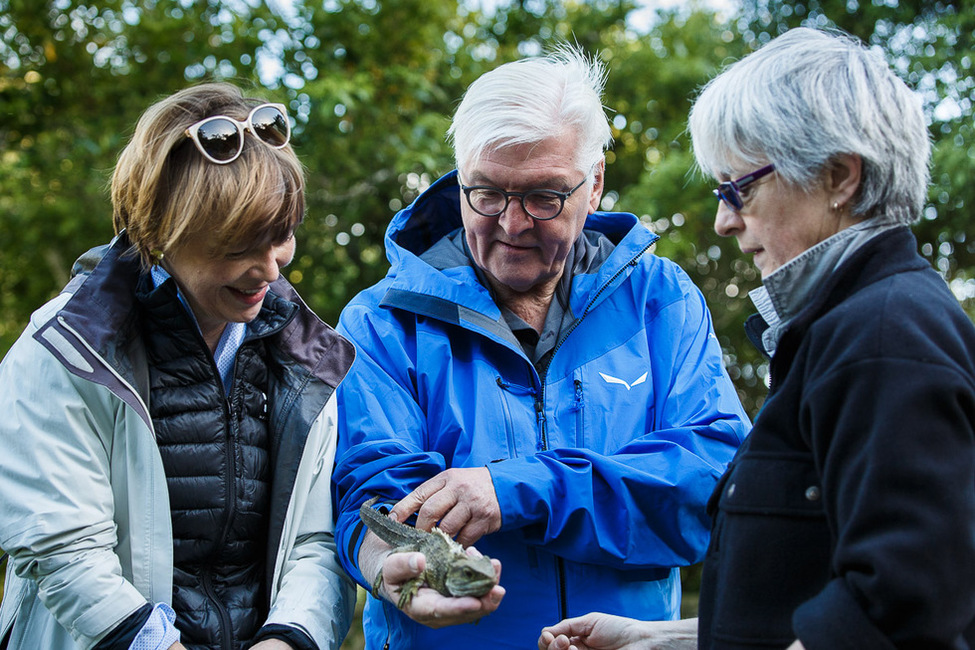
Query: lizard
449	569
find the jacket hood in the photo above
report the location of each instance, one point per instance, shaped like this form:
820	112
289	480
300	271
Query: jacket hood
436	213
101	312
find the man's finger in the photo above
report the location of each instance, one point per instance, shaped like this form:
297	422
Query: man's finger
413	501
400	567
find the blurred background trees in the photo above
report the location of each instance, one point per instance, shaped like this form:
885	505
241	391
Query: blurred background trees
371	85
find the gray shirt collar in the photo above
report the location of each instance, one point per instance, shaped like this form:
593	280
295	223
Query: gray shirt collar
787	289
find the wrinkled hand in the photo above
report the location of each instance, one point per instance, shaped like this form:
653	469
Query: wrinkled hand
428	606
598	631
462	500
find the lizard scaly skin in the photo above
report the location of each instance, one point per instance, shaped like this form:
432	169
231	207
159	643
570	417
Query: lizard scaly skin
449	569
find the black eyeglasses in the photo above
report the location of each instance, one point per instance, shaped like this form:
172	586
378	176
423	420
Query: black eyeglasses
541	205
730	191
221	139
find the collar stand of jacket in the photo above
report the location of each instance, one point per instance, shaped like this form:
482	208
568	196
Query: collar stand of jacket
436	213
416	285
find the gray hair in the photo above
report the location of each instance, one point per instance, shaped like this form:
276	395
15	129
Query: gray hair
531	100
807	97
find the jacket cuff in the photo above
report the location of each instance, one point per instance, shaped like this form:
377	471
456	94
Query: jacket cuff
121	637
149	628
834	620
515	485
291	635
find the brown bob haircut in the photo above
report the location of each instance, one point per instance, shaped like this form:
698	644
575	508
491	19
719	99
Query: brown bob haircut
164	191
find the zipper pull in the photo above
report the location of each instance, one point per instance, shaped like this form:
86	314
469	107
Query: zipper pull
540	443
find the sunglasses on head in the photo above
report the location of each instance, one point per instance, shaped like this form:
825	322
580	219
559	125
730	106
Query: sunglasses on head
221	139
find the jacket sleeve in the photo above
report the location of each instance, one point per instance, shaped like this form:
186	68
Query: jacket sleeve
895	439
381	428
56	500
643	504
310	590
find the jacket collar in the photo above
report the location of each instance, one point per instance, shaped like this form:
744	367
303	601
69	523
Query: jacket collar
101	311
785	291
890	252
416	285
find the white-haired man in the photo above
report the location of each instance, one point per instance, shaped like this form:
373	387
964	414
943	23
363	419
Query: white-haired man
531	378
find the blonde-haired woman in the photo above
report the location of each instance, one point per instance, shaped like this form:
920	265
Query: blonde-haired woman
168	427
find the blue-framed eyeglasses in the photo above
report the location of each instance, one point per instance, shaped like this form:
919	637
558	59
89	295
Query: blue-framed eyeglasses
541	205
730	191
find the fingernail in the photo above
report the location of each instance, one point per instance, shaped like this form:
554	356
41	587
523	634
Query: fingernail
414	563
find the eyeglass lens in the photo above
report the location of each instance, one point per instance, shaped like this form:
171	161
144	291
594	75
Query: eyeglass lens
727	193
538	204
270	125
220	138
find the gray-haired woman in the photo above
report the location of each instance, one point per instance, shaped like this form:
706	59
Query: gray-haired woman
847	519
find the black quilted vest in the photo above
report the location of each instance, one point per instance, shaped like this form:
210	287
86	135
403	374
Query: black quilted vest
214	448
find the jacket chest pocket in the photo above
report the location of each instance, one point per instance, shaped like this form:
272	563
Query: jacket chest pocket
773	485
772	545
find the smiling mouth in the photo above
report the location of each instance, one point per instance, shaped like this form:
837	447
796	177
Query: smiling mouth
250	296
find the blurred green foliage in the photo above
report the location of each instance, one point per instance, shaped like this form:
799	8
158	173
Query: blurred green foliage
372	85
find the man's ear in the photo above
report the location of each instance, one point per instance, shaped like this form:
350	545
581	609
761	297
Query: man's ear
599	176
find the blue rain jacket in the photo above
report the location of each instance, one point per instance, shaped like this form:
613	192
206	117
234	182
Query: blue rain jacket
602	463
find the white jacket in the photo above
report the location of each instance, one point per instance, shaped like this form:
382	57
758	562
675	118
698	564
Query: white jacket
84	507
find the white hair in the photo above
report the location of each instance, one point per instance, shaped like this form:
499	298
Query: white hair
531	100
807	97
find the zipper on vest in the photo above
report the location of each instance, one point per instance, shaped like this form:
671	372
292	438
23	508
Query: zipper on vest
230	484
226	630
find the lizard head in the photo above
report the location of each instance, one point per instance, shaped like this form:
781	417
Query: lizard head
471	576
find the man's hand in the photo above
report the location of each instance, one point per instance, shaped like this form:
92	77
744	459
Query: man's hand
597	631
428	606
462	500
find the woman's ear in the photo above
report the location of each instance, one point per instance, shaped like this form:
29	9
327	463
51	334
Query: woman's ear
843	179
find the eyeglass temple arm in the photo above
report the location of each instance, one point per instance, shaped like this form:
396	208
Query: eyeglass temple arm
748	178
